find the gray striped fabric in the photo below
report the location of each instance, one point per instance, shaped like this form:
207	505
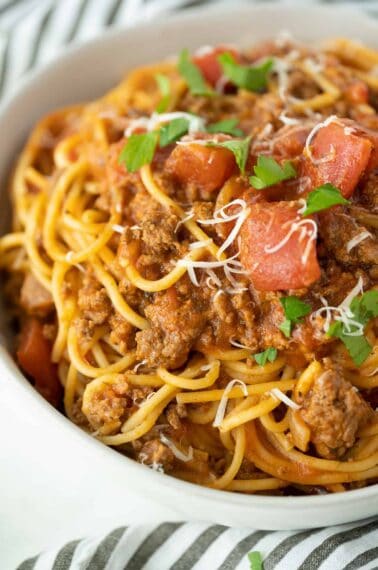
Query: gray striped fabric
201	546
33	32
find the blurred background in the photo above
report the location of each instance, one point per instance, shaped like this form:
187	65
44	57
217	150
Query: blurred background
33	31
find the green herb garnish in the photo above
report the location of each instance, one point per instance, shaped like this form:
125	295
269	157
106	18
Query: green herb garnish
252	78
363	308
269	355
139	150
323	197
255	560
239	148
228	126
172	131
165	90
192	75
269	172
294	310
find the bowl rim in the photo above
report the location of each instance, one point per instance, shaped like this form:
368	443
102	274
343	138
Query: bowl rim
24	390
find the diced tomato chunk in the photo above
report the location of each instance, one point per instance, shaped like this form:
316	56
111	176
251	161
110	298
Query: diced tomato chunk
206	167
289	141
274	253
346	156
209	65
115	171
34	357
357	92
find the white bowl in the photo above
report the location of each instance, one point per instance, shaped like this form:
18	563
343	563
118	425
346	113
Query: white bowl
86	72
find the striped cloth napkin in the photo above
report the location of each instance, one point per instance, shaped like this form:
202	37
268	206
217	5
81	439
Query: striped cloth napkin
33	32
200	546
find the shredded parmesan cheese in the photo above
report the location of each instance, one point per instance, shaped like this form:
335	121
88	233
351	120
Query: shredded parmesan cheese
175	450
308	230
137	366
155	120
199	244
219	292
357	239
213	280
276	393
189	216
220	217
330	156
154	466
342	313
231	264
118	228
223	403
239	345
288	120
221	84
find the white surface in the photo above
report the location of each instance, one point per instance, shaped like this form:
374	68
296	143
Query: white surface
55	482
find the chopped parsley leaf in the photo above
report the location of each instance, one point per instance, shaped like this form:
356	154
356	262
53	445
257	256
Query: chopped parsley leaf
323	197
139	150
239	148
269	355
255	560
357	346
294	310
165	90
228	126
269	172
192	75
172	131
252	78
363	308
285	327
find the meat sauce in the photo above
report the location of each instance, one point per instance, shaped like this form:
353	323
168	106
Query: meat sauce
276	258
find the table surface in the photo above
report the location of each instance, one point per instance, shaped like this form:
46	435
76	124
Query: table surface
43	504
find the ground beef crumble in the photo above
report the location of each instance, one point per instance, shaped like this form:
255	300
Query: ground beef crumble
334	411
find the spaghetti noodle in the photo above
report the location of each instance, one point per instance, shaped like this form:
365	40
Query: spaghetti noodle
193	266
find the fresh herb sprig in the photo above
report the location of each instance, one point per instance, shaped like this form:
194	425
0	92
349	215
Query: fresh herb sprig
363	309
322	198
239	148
269	172
249	77
193	76
255	560
227	126
294	310
269	355
165	90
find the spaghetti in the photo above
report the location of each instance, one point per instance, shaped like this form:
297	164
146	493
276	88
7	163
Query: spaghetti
193	266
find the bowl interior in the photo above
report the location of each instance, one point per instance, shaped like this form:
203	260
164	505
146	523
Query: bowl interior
84	73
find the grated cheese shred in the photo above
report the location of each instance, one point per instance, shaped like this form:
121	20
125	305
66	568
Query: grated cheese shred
224	400
279	395
342	313
313	132
357	239
308	230
155	120
178	453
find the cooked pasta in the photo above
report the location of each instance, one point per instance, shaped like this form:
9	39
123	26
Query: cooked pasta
193	266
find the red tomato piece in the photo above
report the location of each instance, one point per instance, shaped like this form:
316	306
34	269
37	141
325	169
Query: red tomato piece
34	357
357	92
348	154
209	65
206	167
116	171
274	252
289	141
